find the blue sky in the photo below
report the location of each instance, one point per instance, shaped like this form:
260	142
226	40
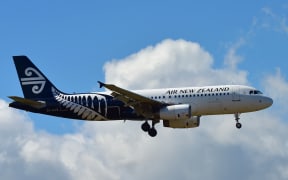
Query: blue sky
78	43
71	41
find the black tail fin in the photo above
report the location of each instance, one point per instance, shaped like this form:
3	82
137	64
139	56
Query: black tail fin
33	82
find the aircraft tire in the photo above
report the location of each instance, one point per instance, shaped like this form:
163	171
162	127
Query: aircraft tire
152	132
145	127
238	125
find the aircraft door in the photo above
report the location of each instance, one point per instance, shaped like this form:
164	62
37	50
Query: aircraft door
236	94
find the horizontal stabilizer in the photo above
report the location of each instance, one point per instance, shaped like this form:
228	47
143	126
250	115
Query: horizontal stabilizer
29	102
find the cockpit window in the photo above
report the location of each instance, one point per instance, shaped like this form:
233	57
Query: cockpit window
255	92
258	92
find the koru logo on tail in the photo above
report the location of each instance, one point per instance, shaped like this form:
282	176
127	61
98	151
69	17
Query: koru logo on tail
33	77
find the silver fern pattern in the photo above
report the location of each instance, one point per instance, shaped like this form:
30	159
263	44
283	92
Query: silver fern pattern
87	106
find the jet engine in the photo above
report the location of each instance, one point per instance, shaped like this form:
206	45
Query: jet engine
194	121
175	112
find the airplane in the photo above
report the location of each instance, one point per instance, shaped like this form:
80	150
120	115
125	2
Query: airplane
176	107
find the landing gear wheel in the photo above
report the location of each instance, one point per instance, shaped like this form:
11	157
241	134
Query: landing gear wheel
145	127
238	125
152	132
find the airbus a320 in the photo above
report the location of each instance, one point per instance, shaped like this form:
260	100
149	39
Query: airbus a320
175	107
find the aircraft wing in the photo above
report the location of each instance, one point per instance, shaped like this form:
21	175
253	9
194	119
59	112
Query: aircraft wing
142	105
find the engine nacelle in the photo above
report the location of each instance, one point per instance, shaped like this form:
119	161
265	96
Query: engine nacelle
185	123
175	112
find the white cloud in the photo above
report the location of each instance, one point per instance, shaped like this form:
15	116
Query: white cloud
232	59
277	86
114	150
172	63
274	21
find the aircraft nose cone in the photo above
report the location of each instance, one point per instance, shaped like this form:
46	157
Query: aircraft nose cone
267	102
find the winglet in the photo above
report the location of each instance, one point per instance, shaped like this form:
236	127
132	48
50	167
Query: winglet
101	84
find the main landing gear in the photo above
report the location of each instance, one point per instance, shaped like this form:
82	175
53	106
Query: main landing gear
151	130
238	124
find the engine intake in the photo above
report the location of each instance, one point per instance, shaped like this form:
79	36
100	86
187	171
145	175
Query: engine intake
175	112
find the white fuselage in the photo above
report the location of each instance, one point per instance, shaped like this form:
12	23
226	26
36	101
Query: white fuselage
210	100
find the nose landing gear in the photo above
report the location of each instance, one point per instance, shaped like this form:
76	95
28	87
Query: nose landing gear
238	124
